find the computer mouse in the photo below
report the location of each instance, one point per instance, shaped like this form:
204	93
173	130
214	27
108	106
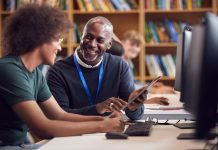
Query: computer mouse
116	135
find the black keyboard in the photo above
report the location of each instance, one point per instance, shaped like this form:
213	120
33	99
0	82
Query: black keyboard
139	129
190	125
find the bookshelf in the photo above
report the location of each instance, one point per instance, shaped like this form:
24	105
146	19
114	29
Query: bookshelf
192	16
123	20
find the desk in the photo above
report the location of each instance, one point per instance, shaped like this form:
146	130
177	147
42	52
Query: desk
180	114
161	138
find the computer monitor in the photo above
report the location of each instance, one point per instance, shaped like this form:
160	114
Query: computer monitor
182	53
200	84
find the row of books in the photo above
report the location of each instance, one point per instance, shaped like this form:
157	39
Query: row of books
163	32
78	28
12	5
173	4
155	32
161	65
105	5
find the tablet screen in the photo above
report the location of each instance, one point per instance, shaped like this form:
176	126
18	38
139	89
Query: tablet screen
145	89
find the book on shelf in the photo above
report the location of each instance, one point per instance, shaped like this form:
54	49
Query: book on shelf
133	4
89	5
159	65
96	5
171	65
189	4
171	30
81	5
116	4
106	5
154	33
62	4
148	34
150	66
78	28
12	5
76	33
163	32
125	5
162	66
172	4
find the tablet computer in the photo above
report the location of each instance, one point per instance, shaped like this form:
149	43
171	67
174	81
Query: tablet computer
143	91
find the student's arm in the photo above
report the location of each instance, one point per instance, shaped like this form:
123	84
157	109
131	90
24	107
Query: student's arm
17	92
87	110
30	112
54	111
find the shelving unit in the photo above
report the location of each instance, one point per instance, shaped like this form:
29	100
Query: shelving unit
128	20
192	16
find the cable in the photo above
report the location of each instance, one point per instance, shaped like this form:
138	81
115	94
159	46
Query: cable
209	144
166	122
212	145
177	121
215	147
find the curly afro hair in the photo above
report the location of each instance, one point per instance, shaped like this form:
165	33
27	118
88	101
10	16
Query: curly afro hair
31	26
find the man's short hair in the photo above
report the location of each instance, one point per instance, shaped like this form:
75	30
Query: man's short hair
134	37
103	21
31	26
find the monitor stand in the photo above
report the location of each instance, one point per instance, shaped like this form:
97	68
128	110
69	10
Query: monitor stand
188	125
191	136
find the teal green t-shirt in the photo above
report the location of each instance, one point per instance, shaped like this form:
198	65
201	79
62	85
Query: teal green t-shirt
17	84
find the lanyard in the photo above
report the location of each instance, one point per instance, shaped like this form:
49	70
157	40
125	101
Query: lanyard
100	76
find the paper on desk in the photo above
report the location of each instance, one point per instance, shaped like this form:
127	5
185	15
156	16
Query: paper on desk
180	111
175	96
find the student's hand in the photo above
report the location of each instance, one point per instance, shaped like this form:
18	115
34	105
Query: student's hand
139	101
157	100
110	105
113	124
162	89
116	114
158	84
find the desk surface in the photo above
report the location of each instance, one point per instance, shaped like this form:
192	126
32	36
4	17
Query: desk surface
161	138
167	114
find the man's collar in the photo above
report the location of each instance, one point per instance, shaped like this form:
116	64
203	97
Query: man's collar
84	64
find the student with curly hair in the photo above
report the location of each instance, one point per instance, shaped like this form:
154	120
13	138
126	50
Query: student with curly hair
32	36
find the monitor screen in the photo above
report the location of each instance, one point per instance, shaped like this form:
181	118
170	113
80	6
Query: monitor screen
200	84
182	53
179	51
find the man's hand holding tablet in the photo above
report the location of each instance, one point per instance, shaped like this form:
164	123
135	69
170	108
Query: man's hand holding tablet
138	97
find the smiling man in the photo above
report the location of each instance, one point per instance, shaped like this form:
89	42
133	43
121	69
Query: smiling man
93	82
